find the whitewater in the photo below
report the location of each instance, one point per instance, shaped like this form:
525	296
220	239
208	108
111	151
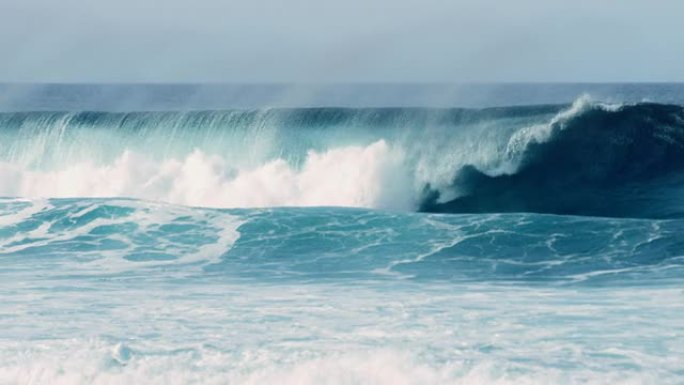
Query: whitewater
522	242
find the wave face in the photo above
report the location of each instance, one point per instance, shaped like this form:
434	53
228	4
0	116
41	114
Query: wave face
585	159
625	161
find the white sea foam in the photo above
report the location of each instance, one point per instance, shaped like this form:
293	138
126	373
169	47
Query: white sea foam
208	234
99	364
360	176
30	208
314	334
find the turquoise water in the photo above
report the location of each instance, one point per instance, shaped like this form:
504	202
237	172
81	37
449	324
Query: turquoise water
537	244
114	291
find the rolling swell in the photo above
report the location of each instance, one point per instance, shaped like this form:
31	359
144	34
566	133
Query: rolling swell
621	162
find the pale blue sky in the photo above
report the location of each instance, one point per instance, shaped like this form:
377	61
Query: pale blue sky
341	41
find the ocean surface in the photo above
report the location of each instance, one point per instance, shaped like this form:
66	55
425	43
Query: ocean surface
351	234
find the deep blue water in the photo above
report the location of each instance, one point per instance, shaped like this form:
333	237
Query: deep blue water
479	234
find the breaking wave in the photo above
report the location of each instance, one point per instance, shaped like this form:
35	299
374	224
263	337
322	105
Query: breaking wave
585	159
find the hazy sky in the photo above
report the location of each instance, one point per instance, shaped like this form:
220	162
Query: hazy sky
341	40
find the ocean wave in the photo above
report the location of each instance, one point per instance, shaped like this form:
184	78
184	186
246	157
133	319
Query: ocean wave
624	161
585	159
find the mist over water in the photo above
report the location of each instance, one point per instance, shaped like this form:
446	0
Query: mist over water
183	97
